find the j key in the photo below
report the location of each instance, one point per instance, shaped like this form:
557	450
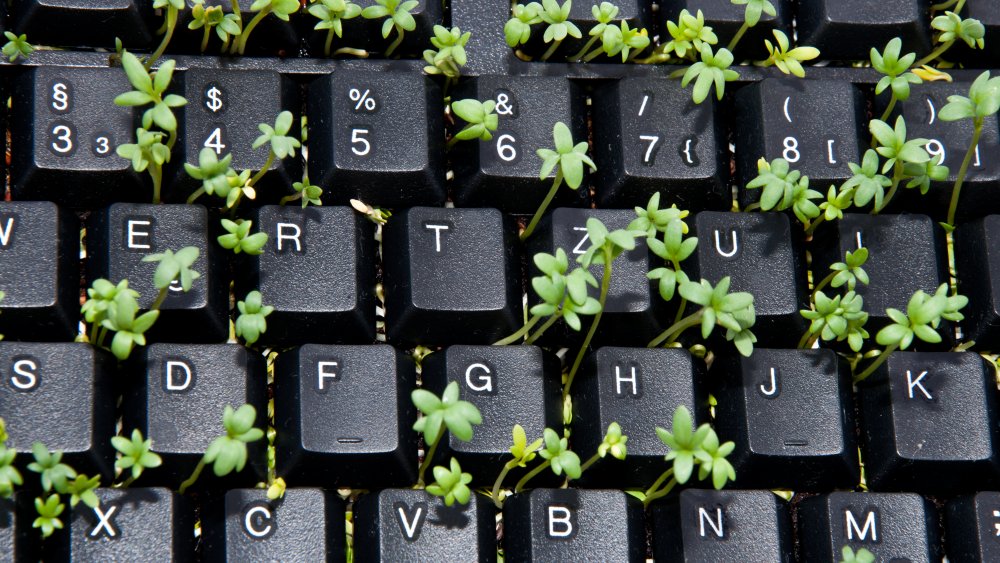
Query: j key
325	402
729	525
177	399
272	36
60	395
377	136
949	142
64	131
978	272
926	413
762	254
316	271
39	266
123	234
971	523
905	253
811	124
223	111
893	526
652	138
573	525
726	20
638	388
84	23
791	416
451	276
368	32
503	172
305	525
510	385
409	525
847	29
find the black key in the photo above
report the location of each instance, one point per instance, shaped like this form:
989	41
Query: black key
451	276
848	29
725	19
377	136
791	416
123	234
18	540
177	399
503	172
60	395
650	137
40	269
367	33
272	36
730	525
973	527
409	525
812	124
65	128
637	13
976	265
893	526
84	23
325	402
316	271
573	525
305	525
510	385
762	254
639	388
926	413
223	111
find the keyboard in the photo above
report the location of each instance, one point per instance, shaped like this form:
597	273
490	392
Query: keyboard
472	281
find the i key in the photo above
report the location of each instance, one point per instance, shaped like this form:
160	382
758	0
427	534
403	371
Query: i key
39	269
65	127
451	277
972	524
650	137
503	172
379	137
726	19
84	23
326	254
411	525
324	408
812	124
978	267
848	29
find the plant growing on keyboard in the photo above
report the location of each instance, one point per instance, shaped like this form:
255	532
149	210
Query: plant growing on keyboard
136	456
688	36
848	555
238	237
171	267
280	144
447	413
331	15
226	26
10	477
448	56
719	308
397	17
751	17
48	511
58	478
217	177
451	484
604	13
481	120
169	24
558	25
567	161
897	77
713	68
952	28
615	40
907	158
229	451
305	192
281	9
17	46
252	320
517	30
788	61
148	154
523	454
613	443
838	319
557	455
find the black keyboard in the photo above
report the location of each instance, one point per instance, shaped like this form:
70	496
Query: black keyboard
363	321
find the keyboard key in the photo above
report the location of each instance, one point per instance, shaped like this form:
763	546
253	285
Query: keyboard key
84	23
64	131
573	525
650	137
317	272
730	525
305	525
639	388
925	412
977	268
18	541
848	29
971	525
177	399
325	405
272	37
409	525
40	271
503	172
60	395
762	254
368	32
510	385
791	416
377	136
451	276
812	124
725	19
637	13
123	234
893	526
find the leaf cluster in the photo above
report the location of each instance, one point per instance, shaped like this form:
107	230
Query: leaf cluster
924	314
229	451
396	12
563	294
788	61
451	483
238	237
953	27
136	454
252	320
720	308
568	159
895	69
983	100
690	447
447	412
712	69
449	56
16	46
480	118
689	35
332	13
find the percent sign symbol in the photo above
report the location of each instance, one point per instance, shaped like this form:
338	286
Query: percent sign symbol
363	101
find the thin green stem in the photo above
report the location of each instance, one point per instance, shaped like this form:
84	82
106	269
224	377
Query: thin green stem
545	205
531	474
194	476
676	328
204	38
874	365
659	481
943	5
499	483
428	457
101	336
359	53
197	193
814	225
586	47
260	173
822	284
520	333
752	207
541	330
807	340
964	169
329	42
680	311
94	328
290	198
551	51
605	285
661	493
156	173
594	54
160	298
586	465
171	26
736	38
127	482
692	320
888	111
241	42
897	177
395	44
934	54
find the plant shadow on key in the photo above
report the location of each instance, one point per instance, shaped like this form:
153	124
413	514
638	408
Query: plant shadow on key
451	517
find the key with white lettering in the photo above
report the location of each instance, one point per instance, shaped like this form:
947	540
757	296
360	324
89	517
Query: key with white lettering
451	276
893	526
327	399
510	385
928	413
119	237
411	525
304	525
791	415
176	396
59	394
729	525
317	271
39	271
972	524
570	525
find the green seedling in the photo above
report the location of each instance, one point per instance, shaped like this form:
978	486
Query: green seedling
567	160
148	154
252	321
866	185
892	144
480	117
53	473
282	9
836	319
719	308
136	456
517	30
331	15
81	489
897	77
305	192
557	455
48	511
448	56
688	37
280	144
226	26
713	68
228	452
17	46
447	413
622	40
951	28
604	13
217	177
523	454
848	555
451	484
172	267
170	25
398	17
751	17
613	444
129	328
558	25
10	477
238	237
788	61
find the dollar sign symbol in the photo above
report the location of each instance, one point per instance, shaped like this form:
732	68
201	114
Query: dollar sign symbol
213	99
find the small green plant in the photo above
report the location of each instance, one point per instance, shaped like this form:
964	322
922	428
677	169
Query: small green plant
952	28
448	56
899	152
136	455
281	145
558	25
48	510
897	77
281	9
81	489
53	473
238	237
172	267
517	30
557	455
10	477
713	68
613	443
836	319
305	192
688	37
622	40
848	555
719	308
252	321
17	46
447	413
480	118
523	454
751	17
226	26
217	177
148	153
229	451
567	160
866	185
129	328
788	61
604	13
170	25
331	15
451	484
397	17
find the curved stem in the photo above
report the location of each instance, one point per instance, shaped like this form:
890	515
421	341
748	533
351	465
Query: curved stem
934	54
661	493
672	329
241	43
541	330
127	482
680	311
551	51
329	42
605	285
586	465
586	47
520	333
499	483
545	205
815	224
943	5
204	38
260	173
807	340
194	476
659	481
197	193
692	320
395	44
290	198
897	177
752	207
531	474
736	38
594	54
160	298
887	112
964	169
101	336
874	365
428	457
171	26
823	283
359	53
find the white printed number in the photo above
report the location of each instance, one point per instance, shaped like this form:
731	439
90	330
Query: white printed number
359	144
102	145
936	150
650	157
506	149
214	141
63	139
791	152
